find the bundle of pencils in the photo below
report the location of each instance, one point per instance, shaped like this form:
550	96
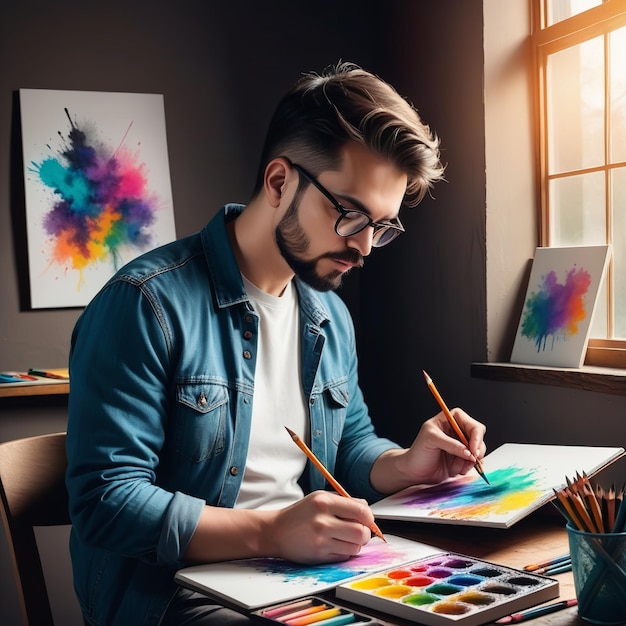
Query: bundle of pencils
591	509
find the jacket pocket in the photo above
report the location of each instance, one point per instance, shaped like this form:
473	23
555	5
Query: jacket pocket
336	400
202	410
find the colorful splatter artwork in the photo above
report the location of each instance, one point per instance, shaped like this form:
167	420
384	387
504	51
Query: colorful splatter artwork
101	200
97	188
556	309
509	489
561	297
374	556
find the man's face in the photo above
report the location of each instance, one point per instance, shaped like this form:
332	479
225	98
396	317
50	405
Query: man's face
305	234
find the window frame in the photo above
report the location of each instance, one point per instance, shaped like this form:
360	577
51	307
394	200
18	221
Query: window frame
547	40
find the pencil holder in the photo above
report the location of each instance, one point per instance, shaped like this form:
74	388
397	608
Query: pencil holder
599	568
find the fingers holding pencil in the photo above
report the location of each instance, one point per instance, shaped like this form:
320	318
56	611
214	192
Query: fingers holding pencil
328	476
464	428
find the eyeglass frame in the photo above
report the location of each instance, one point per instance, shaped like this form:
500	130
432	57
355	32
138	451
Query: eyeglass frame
397	228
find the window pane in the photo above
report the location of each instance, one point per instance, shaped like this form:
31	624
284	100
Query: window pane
617	77
575	92
562	9
578	210
619	251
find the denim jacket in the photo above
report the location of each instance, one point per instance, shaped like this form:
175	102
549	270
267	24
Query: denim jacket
162	379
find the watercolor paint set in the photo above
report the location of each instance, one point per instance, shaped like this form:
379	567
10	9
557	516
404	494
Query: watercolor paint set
312	610
449	588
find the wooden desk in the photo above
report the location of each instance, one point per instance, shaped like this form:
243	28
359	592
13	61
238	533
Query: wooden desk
24	389
539	537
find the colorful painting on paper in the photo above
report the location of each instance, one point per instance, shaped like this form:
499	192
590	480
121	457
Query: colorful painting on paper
558	309
521	479
251	583
97	186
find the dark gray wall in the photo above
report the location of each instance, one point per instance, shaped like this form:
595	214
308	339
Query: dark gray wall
221	67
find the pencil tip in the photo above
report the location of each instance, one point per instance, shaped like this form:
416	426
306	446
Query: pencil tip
426	376
293	435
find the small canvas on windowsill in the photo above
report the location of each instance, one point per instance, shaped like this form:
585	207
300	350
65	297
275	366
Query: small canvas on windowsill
559	304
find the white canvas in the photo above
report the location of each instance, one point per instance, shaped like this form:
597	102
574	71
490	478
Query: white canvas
97	187
521	479
558	308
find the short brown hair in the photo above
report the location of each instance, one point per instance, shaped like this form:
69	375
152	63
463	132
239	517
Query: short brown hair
323	112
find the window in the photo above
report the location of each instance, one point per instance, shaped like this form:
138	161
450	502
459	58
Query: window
580	50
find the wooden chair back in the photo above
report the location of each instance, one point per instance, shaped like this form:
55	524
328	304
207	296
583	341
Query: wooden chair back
32	493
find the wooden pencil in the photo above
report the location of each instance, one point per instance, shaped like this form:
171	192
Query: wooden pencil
592	504
610	509
620	513
328	476
576	500
457	429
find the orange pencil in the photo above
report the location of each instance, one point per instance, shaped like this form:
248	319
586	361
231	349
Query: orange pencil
592	503
457	429
328	476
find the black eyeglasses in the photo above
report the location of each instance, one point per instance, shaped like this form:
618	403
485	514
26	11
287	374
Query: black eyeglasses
350	221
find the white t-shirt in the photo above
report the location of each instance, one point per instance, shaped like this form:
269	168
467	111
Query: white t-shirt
274	462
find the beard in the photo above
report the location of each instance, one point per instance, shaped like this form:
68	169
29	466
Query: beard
293	242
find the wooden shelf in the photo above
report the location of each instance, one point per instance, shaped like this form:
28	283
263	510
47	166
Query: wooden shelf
590	378
24	389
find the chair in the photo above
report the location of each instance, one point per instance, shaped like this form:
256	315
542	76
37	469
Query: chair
32	493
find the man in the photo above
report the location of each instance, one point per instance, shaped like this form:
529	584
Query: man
188	364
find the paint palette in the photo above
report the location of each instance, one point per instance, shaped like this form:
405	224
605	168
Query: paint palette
315	611
448	588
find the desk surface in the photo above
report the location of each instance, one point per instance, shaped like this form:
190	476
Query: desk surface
25	389
539	537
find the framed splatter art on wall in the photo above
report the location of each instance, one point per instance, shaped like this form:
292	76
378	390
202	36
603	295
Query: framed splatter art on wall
97	188
558	309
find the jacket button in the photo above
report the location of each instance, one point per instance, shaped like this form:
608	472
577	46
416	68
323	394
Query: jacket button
234	470
202	401
312	401
248	319
247	354
247	335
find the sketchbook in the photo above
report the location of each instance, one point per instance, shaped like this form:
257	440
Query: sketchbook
522	478
255	583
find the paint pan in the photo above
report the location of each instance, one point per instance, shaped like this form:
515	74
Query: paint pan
312	611
450	588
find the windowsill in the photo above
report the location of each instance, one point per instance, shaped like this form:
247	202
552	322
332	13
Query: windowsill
591	378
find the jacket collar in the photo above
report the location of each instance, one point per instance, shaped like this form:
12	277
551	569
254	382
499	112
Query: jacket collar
226	276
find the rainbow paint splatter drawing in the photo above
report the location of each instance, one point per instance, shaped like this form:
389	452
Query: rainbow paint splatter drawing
255	583
521	476
558	310
449	589
97	188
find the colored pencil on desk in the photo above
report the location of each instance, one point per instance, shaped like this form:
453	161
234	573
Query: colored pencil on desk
328	476
548	563
560	568
457	429
523	616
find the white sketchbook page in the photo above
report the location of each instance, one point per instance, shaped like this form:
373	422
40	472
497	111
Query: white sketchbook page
254	583
522	478
558	308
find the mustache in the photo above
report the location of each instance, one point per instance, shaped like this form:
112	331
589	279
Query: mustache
349	256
